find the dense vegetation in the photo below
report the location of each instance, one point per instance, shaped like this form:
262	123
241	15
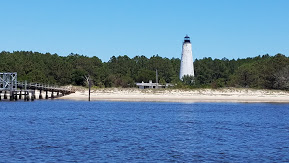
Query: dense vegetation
270	72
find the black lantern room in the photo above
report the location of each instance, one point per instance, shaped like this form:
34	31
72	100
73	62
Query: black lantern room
187	39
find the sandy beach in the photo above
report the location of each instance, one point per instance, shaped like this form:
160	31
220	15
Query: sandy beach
184	96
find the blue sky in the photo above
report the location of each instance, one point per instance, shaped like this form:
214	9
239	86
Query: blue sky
218	28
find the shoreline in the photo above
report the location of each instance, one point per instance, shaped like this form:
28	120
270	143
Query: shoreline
225	95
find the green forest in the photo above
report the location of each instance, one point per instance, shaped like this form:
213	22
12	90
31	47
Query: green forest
264	72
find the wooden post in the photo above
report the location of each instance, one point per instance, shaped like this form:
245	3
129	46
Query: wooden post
89	85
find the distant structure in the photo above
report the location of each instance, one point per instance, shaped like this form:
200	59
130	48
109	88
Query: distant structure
187	65
155	85
152	85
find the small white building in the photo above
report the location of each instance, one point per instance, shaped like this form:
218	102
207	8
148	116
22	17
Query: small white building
152	85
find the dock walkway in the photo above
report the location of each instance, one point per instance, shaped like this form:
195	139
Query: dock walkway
9	86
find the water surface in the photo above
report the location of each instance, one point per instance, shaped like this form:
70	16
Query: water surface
69	131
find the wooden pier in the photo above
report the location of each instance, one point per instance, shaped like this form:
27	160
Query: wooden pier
15	90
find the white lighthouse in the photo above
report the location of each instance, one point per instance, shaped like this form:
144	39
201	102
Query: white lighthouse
187	64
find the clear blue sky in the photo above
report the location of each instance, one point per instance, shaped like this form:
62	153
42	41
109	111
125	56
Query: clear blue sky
218	28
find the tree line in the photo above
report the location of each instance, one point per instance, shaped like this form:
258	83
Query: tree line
267	72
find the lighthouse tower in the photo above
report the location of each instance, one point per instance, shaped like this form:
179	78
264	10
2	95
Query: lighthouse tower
187	65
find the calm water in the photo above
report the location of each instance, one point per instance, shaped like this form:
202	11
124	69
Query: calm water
68	131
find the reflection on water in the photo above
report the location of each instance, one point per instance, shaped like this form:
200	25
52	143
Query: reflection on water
58	131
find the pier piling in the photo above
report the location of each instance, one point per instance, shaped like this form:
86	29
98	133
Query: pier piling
20	95
5	95
11	95
40	94
46	96
15	97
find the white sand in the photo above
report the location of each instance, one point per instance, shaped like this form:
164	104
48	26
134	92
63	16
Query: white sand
174	95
